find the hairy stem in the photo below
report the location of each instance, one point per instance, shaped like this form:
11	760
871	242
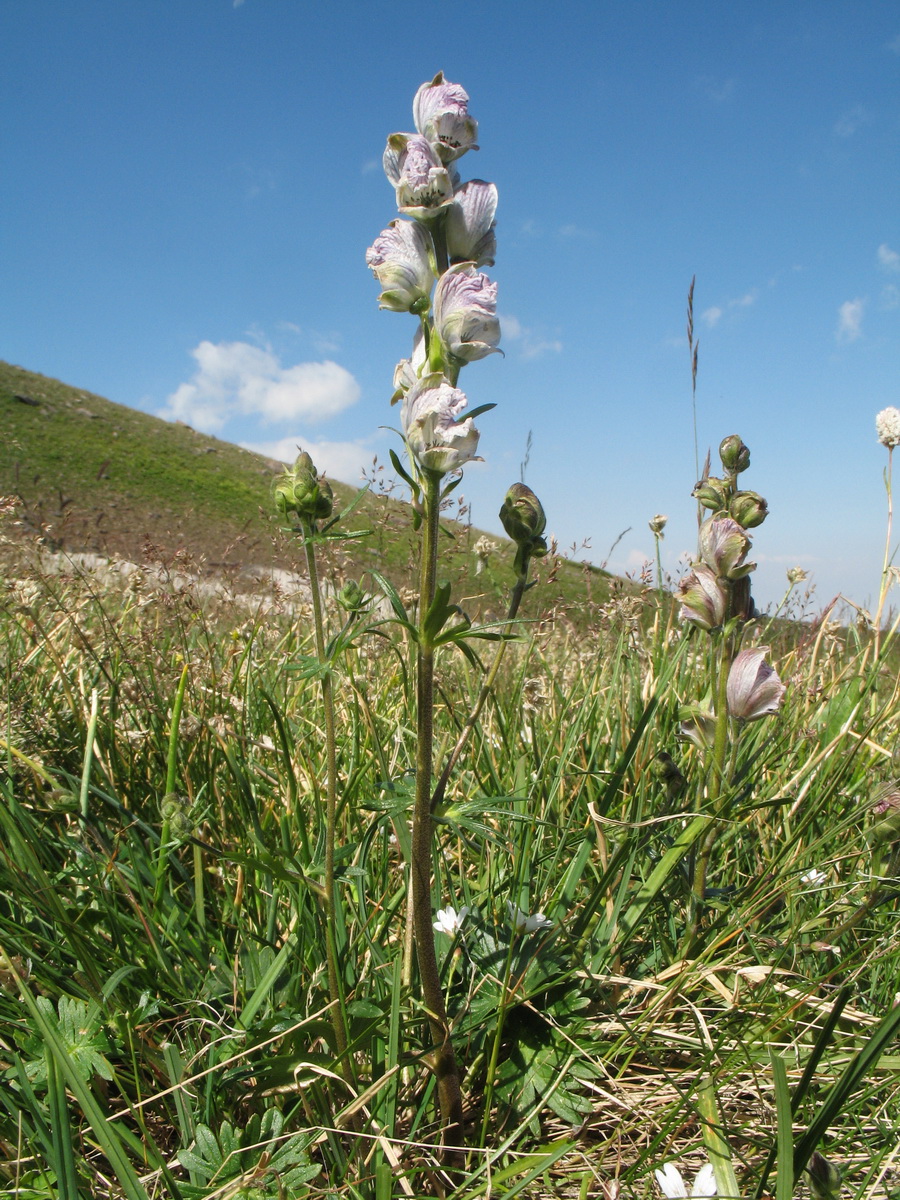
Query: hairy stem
444	1059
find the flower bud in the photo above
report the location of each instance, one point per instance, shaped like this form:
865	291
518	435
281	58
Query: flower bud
724	546
657	524
824	1177
712	493
796	575
522	515
753	688
664	769
748	509
734	454
300	490
175	811
351	597
703	599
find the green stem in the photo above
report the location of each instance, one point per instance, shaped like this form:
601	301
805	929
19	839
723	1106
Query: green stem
444	1057
335	988
885	579
171	778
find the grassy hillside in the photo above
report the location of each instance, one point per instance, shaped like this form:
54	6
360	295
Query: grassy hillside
92	475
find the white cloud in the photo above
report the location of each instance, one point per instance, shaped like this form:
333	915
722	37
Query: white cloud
851	120
890	297
887	258
338	460
744	301
711	316
850	316
531	343
237	379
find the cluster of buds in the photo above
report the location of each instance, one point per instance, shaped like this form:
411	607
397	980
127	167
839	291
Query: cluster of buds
429	264
303	491
718	588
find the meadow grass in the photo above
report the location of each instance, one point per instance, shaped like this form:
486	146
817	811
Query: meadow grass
167	1024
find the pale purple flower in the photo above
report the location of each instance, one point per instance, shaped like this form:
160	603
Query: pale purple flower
724	546
673	1186
527	923
439	437
465	313
753	689
887	426
400	258
470	224
449	920
421	182
703	599
441	113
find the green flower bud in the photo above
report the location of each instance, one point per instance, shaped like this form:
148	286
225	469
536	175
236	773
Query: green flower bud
522	516
734	454
748	509
175	811
351	597
302	491
664	769
712	493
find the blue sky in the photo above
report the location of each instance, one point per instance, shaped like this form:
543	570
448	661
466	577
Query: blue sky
191	189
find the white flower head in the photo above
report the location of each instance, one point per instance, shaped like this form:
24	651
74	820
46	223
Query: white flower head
525	923
887	426
672	1184
449	920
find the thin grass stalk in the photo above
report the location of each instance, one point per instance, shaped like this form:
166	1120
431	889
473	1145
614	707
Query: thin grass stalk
171	776
335	985
515	600
445	1066
88	757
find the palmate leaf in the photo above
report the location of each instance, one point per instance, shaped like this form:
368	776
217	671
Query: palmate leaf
78	1026
260	1152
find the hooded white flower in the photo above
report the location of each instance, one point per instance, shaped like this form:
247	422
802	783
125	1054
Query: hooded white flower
753	689
470	224
525	923
439	437
400	258
673	1186
421	182
449	920
441	113
465	313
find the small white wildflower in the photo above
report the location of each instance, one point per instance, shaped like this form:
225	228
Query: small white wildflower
887	426
525	923
449	921
796	575
813	877
673	1186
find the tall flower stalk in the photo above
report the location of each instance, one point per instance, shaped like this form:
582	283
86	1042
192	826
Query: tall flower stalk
887	426
715	596
429	265
300	492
